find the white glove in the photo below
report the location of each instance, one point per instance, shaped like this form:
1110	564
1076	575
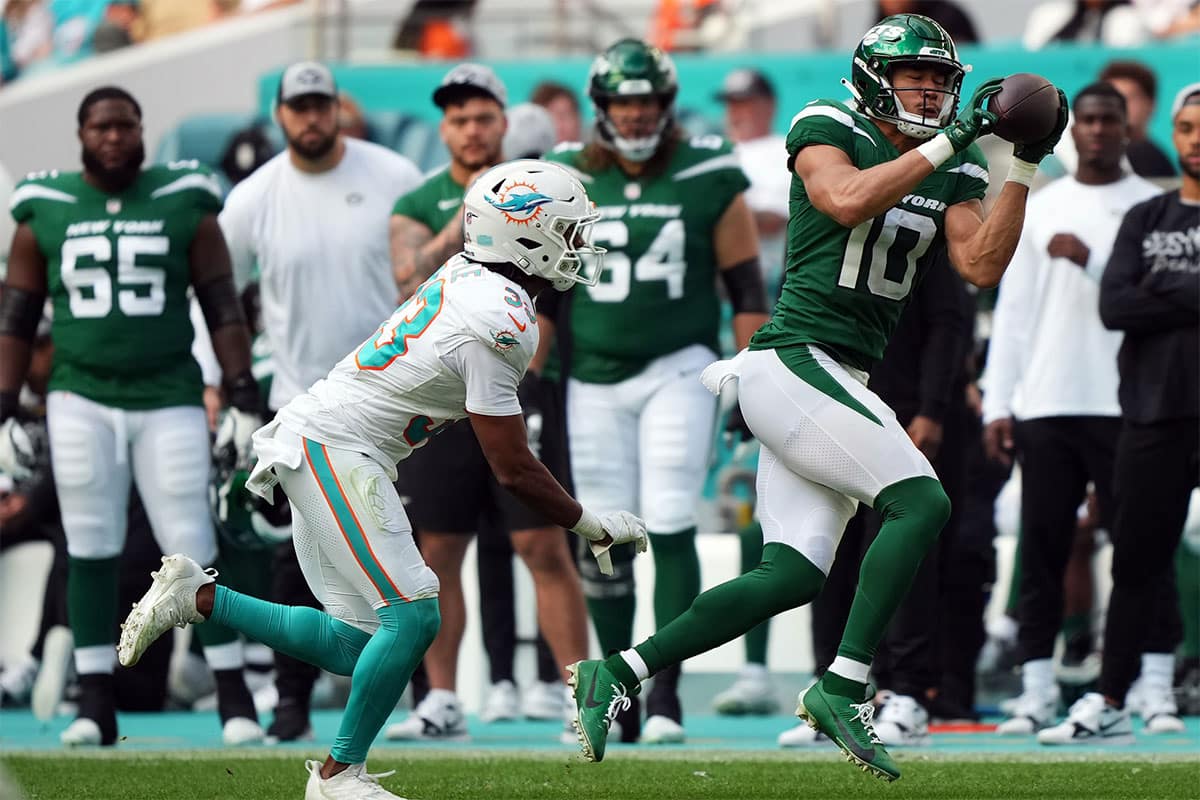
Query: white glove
17	458
236	430
717	374
620	526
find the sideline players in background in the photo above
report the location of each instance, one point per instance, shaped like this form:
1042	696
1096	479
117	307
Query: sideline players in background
675	217
117	248
874	168
313	220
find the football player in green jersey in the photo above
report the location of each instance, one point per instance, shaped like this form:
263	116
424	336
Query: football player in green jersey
674	218
116	248
881	184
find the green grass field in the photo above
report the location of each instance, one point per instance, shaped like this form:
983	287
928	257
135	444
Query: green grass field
436	775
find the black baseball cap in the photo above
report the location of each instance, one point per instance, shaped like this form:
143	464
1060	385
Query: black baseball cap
474	78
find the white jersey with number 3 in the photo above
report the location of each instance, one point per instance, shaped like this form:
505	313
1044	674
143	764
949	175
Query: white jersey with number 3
461	343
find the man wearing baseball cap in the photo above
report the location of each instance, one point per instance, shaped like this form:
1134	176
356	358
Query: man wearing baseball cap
1150	290
313	220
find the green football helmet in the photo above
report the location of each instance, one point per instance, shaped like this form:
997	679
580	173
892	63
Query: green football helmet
632	68
899	39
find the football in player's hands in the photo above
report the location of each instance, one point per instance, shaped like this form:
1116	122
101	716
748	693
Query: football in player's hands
1026	108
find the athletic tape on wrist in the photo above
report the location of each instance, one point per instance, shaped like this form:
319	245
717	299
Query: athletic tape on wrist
588	526
1021	172
938	150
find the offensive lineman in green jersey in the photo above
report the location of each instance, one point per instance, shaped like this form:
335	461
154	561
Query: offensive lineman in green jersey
116	248
877	191
674	218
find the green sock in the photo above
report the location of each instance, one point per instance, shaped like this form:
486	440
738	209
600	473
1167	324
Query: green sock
1075	625
785	579
298	631
92	599
384	668
844	687
913	511
755	639
676	573
1187	572
613	618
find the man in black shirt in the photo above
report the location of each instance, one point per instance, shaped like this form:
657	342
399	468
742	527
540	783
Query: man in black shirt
1151	291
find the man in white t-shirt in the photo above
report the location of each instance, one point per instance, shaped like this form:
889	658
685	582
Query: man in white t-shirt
457	349
749	100
1050	391
314	220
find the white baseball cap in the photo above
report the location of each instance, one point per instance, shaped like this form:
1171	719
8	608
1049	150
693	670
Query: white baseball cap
304	78
1191	92
530	132
470	76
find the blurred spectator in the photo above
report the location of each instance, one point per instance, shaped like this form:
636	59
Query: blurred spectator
530	132
1111	22
683	25
563	106
158	18
1169	18
946	13
436	29
29	28
248	149
1052	367
351	120
116	30
1138	85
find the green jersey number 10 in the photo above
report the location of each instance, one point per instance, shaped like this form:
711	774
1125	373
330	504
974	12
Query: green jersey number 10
903	237
662	261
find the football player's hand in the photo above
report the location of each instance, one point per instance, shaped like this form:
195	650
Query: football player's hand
974	120
1033	153
926	434
234	436
17	455
1068	246
616	527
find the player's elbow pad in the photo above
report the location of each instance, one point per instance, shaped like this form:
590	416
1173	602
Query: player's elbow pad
20	312
219	302
744	283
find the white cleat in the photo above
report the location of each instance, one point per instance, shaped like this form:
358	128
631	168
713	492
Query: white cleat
240	731
1091	720
545	700
902	722
57	656
801	736
1031	712
352	783
169	602
751	694
83	732
438	717
662	730
502	703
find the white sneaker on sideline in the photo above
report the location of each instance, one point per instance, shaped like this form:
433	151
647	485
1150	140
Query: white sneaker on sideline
1031	712
902	721
1155	704
544	700
751	693
58	653
169	602
801	736
239	731
1091	720
662	730
352	783
502	703
83	732
438	717
16	681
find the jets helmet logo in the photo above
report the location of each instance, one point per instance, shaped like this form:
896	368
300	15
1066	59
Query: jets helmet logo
519	202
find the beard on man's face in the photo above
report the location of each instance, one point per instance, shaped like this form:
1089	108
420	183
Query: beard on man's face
1190	170
119	176
312	150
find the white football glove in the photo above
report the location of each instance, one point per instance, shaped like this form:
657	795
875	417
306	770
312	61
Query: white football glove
717	374
17	457
236	430
621	526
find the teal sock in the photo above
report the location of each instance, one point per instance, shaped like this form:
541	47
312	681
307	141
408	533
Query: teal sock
785	579
913	511
384	668
676	573
92	599
756	639
298	631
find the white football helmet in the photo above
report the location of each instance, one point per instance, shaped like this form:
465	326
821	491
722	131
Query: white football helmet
536	216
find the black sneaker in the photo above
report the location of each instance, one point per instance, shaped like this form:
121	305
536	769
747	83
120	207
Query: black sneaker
291	723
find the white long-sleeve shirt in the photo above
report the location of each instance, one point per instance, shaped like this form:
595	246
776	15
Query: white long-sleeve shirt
321	245
1050	355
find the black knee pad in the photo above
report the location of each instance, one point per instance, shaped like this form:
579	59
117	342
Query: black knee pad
597	585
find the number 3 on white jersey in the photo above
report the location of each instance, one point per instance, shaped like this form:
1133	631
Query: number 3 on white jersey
662	261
